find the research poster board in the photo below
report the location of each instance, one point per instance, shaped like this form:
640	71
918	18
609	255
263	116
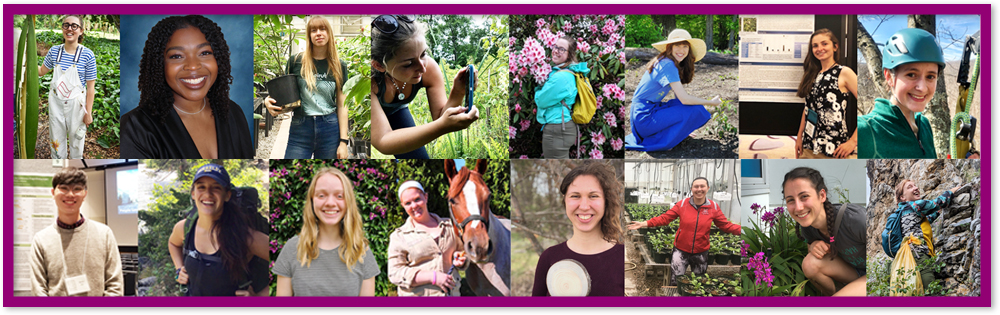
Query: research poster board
33	211
772	49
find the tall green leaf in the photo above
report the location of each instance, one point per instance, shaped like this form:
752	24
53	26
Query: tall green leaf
30	109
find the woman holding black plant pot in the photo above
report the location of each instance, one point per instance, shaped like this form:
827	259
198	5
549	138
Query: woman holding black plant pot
319	126
691	243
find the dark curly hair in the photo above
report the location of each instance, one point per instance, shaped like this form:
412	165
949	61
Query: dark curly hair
817	181
613	205
155	96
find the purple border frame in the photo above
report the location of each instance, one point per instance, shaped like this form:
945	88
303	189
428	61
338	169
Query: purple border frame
984	10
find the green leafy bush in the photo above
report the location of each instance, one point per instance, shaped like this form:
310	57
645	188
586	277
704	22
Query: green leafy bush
641	31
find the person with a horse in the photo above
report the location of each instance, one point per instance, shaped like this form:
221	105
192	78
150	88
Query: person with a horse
592	261
425	251
331	255
697	214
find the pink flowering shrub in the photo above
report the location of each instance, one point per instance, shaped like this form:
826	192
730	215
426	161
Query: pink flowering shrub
600	43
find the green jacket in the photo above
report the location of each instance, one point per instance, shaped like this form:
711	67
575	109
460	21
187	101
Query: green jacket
560	87
885	134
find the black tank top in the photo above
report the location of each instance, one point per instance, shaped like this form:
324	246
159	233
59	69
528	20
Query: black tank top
393	107
207	276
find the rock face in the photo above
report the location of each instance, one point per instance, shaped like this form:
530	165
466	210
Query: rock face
956	231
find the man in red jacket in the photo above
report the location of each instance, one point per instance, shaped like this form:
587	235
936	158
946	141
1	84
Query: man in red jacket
697	214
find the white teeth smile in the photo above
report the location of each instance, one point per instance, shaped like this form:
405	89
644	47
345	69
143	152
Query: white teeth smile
208	203
193	81
585	216
331	211
803	215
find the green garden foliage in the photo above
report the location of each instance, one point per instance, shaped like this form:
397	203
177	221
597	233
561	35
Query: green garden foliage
375	183
641	31
170	205
106	88
722	27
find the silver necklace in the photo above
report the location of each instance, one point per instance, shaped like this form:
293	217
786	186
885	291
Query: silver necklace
400	97
203	103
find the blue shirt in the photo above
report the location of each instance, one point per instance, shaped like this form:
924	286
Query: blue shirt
86	67
653	87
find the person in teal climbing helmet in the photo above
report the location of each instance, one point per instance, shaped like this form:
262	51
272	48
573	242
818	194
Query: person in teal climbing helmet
895	128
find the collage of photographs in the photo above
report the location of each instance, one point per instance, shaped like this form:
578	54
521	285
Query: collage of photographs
365	155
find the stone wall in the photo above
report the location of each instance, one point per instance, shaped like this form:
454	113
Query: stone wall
956	231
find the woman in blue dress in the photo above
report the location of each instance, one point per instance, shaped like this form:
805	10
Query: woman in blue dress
658	125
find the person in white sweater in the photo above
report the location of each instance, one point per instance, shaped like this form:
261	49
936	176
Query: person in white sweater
74	256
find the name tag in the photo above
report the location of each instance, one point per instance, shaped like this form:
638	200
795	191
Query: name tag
77	285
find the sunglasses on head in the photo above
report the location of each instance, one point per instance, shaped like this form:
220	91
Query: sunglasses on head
389	23
70	26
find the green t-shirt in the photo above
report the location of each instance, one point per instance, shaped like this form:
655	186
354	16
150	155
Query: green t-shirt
323	100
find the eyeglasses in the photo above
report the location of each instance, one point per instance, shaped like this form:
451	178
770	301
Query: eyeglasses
388	24
560	49
70	26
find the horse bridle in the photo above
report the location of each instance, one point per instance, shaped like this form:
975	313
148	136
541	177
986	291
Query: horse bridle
472	217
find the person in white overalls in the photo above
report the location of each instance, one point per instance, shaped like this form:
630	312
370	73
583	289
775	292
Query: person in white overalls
71	92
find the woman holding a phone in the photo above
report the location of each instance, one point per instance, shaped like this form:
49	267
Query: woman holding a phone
402	67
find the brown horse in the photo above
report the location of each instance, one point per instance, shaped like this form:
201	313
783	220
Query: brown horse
485	238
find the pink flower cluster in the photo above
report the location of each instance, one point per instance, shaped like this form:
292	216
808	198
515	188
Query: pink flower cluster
567	26
547	37
582	45
609	27
513	132
597	138
596	154
617	144
610	119
525	124
613	91
517	107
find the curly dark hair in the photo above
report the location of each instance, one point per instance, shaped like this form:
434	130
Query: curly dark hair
817	181
155	96
69	176
613	204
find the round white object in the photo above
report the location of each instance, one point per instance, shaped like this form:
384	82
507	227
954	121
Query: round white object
568	277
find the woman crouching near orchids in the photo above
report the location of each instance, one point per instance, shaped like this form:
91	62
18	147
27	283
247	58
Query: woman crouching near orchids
836	240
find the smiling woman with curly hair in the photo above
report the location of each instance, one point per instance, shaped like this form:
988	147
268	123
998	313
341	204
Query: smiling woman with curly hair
184	79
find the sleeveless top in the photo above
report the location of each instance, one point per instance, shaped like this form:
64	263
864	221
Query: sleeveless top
393	107
208	276
830	104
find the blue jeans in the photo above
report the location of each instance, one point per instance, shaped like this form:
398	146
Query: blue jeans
316	137
403	119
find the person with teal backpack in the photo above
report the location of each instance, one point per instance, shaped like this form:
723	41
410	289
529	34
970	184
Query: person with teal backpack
221	252
895	128
659	125
555	100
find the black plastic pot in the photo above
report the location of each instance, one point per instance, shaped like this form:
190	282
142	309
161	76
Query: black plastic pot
642	231
660	257
721	259
284	89
711	259
735	258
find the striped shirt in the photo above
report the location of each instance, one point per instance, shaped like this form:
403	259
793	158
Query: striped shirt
87	67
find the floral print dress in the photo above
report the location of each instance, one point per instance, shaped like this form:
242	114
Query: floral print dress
830	105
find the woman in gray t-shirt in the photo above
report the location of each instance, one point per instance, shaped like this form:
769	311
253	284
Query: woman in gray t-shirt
832	257
330	256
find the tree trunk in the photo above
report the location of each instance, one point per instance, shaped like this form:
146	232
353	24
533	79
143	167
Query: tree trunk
666	22
732	33
873	58
937	111
708	32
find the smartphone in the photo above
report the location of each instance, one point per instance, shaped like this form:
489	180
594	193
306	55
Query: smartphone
470	90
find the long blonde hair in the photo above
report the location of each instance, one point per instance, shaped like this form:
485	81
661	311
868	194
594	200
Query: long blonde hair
352	250
332	58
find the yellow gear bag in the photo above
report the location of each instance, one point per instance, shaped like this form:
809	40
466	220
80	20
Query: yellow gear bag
586	101
905	278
